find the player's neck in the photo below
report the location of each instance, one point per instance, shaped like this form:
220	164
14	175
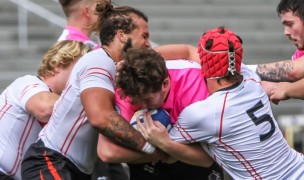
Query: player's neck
81	26
49	82
213	85
113	53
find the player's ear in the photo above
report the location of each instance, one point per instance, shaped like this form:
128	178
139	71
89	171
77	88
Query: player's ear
85	11
166	83
122	36
57	70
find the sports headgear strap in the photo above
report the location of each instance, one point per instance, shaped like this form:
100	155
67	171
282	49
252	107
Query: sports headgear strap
220	52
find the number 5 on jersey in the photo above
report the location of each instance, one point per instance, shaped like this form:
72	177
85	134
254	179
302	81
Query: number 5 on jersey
259	120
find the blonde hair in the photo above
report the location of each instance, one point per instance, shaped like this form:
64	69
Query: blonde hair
61	54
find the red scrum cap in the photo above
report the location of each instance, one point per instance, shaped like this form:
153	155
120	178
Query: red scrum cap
220	52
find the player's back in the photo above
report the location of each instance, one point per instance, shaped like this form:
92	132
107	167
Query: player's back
241	132
250	138
18	128
68	130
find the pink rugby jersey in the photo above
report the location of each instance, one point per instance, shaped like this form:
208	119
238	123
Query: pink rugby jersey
68	130
71	33
237	128
298	53
187	86
18	128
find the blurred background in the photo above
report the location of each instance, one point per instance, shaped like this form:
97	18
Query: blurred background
29	27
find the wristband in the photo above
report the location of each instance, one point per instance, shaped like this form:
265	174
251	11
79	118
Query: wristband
148	148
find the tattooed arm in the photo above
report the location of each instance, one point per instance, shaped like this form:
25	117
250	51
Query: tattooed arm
98	104
282	70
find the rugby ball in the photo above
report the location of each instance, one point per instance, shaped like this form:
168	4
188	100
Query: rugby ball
159	114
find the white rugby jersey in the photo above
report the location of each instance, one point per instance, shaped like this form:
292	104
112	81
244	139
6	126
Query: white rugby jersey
18	128
241	133
68	130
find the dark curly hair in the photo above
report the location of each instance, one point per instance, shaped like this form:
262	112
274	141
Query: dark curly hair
111	19
143	71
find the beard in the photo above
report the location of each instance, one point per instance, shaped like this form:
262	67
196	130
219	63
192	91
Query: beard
127	45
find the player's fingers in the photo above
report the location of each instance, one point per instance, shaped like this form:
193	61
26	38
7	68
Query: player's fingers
274	96
274	91
271	98
143	133
277	102
159	125
139	124
148	119
274	101
141	128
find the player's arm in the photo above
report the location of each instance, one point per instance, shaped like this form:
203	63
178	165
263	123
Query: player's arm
178	51
113	153
287	70
41	105
286	90
268	86
98	104
188	153
157	135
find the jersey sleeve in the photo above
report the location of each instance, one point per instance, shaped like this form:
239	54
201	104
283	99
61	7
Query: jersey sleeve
194	124
97	70
248	73
25	87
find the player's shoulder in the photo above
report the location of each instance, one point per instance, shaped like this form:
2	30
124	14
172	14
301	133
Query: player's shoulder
27	84
249	74
202	107
182	64
203	115
28	79
97	57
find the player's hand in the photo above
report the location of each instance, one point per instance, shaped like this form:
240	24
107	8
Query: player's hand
159	155
153	131
279	92
268	86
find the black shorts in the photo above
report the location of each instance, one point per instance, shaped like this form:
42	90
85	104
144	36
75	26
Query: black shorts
43	163
114	171
176	171
5	177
